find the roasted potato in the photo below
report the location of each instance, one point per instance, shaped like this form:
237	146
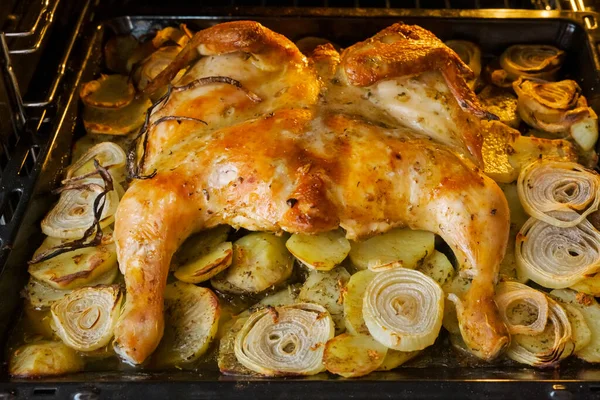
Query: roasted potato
260	261
396	248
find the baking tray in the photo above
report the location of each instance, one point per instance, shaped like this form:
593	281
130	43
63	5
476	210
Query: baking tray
493	30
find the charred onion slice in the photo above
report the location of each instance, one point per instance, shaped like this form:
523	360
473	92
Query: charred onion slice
555	107
510	297
85	319
288	340
547	348
120	121
557	257
403	309
74	212
109	155
109	91
470	53
532	61
547	186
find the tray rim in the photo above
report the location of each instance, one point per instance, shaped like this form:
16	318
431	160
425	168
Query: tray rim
230	385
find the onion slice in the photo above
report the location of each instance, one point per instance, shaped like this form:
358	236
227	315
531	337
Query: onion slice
74	212
551	106
533	349
109	155
533	61
547	186
288	340
509	294
86	317
403	309
557	257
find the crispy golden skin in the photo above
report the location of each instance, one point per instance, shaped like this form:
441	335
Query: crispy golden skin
317	152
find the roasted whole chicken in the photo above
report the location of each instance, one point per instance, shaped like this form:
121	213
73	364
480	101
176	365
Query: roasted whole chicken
258	136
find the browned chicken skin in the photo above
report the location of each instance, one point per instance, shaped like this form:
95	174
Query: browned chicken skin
294	163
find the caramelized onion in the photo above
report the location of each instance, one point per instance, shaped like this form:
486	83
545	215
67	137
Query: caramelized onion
534	350
532	61
557	257
403	309
288	340
86	317
109	155
74	213
557	107
546	186
509	294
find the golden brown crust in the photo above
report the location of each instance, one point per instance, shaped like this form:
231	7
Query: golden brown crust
245	36
289	163
402	50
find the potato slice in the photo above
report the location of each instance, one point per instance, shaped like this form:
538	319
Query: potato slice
76	268
505	151
41	295
459	286
191	322
226	359
284	297
581	332
590	285
203	255
44	358
325	288
590	310
396	248
585	132
352	356
518	216
322	251
353	302
438	268
119	121
260	261
199	244
394	359
206	265
108	91
501	102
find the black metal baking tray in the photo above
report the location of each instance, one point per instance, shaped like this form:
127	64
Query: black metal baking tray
574	32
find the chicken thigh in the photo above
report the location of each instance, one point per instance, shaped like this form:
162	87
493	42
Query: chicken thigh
303	160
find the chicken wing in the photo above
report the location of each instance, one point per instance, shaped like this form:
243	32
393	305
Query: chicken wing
316	153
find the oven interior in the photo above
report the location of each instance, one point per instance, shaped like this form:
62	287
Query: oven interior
38	122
